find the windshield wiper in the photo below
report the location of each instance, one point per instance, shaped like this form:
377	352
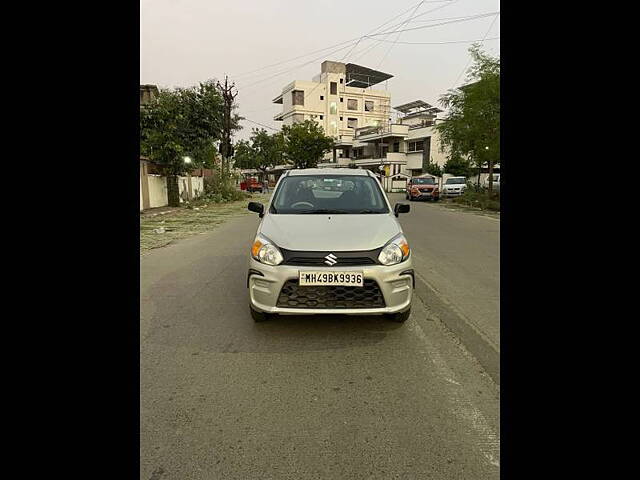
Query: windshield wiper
321	211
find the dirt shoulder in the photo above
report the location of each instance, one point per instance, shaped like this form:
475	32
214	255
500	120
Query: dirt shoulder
162	226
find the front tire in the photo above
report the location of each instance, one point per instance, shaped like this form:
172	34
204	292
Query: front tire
259	316
399	317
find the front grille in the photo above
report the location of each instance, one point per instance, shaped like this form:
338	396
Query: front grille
317	259
319	262
293	295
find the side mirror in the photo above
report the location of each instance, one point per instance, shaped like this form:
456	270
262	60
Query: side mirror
256	207
401	208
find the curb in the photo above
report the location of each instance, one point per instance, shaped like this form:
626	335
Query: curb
474	342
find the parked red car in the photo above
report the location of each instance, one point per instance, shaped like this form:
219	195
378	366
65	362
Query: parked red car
253	185
419	188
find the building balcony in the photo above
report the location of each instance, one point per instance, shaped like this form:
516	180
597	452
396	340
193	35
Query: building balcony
278	116
368	134
391	157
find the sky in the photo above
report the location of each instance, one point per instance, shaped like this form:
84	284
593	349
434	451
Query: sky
184	42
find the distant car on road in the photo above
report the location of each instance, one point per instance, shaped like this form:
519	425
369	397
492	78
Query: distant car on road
253	185
329	242
421	188
454	186
496	182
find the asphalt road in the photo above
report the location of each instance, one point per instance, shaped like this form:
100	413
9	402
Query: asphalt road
458	254
311	397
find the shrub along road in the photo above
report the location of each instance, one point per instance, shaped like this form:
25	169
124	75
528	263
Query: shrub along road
310	397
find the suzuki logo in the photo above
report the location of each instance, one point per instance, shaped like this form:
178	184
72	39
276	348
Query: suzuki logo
331	260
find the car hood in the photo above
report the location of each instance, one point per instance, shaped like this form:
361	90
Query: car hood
340	232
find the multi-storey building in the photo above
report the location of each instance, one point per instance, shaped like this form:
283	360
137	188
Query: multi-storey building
394	144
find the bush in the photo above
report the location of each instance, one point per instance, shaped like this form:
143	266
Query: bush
221	188
479	199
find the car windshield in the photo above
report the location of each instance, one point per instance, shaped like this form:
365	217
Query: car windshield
424	181
455	181
338	194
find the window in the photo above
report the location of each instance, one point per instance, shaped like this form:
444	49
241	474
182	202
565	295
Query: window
321	117
341	80
396	146
298	97
340	118
352	122
416	146
368	106
334	88
341	99
315	194
321	97
352	104
333	108
333	129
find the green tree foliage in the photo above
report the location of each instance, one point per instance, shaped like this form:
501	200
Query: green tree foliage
182	122
471	129
260	152
458	166
434	169
305	144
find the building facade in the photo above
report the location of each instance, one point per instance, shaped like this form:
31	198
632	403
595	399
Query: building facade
395	143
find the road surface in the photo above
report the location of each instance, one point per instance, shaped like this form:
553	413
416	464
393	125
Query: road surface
311	397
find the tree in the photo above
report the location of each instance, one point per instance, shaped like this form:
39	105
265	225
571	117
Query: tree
458	166
305	144
434	169
182	122
471	129
261	152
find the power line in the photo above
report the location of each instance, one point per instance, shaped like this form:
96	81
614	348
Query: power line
350	42
441	43
465	19
377	28
328	48
398	36
481	42
387	33
262	125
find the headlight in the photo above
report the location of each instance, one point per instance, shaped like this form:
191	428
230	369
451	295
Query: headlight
396	251
264	251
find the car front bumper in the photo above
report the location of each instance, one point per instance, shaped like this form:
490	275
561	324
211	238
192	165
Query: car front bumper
424	195
265	282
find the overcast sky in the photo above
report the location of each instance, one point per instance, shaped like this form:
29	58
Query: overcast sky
183	42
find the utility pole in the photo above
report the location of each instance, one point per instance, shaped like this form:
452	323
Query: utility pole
228	96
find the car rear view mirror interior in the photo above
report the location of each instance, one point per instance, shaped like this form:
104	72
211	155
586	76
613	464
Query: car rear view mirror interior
256	207
401	208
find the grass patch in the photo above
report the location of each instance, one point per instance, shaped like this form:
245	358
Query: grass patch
480	200
199	216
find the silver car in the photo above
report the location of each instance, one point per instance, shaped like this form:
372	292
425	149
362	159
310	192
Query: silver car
329	242
454	186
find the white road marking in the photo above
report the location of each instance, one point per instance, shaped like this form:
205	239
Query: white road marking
487	442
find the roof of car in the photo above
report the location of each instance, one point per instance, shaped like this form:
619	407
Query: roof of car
328	171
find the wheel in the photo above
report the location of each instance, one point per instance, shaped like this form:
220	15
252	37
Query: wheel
399	317
259	316
436	199
411	199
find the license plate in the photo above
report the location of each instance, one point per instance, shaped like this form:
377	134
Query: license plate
354	279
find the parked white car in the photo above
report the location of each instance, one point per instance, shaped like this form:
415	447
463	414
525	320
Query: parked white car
496	182
454	186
